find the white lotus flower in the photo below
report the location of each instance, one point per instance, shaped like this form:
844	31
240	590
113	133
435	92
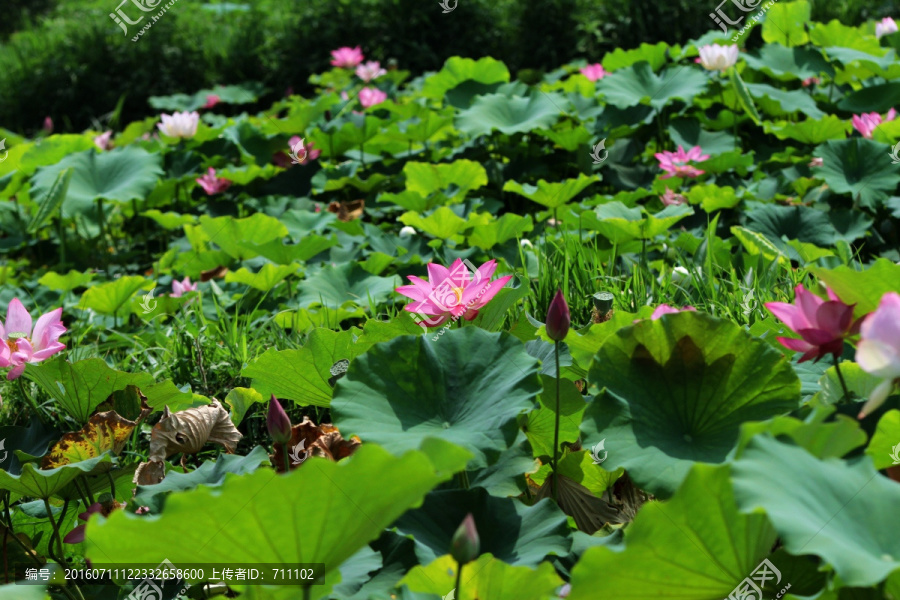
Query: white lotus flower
526	244
884	27
180	124
714	57
407	231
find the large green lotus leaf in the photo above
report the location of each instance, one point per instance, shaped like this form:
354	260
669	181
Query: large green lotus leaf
809	131
711	197
653	54
695	546
884	448
122	174
581	468
302	375
285	254
508	227
621	224
805	224
65	283
322	513
785	23
510	114
778	102
80	387
457	70
492	316
863	64
113	297
540	423
246	93
859	167
786	64
267	278
44	483
688	133
551	194
485	577
513	532
51	150
505	476
638	84
859	383
332	286
835	33
844	512
823	439
443	223
677	391
211	474
467	387
232	235
583	345
875	98
427	178
864	288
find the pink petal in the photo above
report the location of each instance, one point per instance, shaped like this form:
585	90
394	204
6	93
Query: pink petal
48	329
816	337
413	291
878	358
437	273
15	373
808	303
795	344
48	352
789	314
834	317
884	324
18	320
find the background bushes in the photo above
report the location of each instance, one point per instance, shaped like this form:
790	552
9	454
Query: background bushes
70	61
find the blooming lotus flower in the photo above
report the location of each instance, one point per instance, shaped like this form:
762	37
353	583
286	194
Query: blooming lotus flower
20	345
277	422
212	100
714	57
465	544
816	162
878	351
866	123
371	96
670	198
558	318
212	184
810	81
407	231
180	124
370	70
346	57
180	288
675	163
885	27
103	141
822	325
594	72
665	309
452	293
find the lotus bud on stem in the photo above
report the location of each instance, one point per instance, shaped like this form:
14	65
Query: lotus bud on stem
464	548
558	322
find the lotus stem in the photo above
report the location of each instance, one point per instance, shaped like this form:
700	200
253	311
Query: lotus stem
287	462
61	558
840	375
458	594
555	483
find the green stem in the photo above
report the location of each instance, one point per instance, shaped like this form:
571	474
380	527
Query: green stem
287	459
59	548
555	483
307	592
463	479
9	529
362	146
840	375
31	401
112	485
87	488
458	594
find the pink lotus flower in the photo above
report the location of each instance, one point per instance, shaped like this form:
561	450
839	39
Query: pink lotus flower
180	288
212	100
21	345
822	325
180	124
370	70
212	184
665	309
452	293
670	198
817	161
885	27
300	153
866	123
594	72
48	125
675	163
346	57
810	81
76	536
371	96
878	351
103	140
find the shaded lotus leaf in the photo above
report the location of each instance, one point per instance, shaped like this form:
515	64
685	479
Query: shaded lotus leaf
638	84
40	483
580	467
510	530
822	438
468	387
541	422
253	519
725	546
785	23
676	392
589	512
486	577
860	168
863	288
551	194
31	441
842	511
129	403
106	431
458	70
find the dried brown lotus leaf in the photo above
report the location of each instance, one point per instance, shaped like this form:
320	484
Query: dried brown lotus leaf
187	431
104	431
149	473
324	441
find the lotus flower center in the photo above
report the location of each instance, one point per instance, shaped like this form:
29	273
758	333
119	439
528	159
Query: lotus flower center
458	292
11	341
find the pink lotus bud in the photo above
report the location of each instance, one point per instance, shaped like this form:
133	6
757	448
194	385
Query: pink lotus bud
465	544
558	319
277	422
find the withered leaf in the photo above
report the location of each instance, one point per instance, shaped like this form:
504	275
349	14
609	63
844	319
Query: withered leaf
149	473
217	273
347	211
187	431
590	512
104	431
324	441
